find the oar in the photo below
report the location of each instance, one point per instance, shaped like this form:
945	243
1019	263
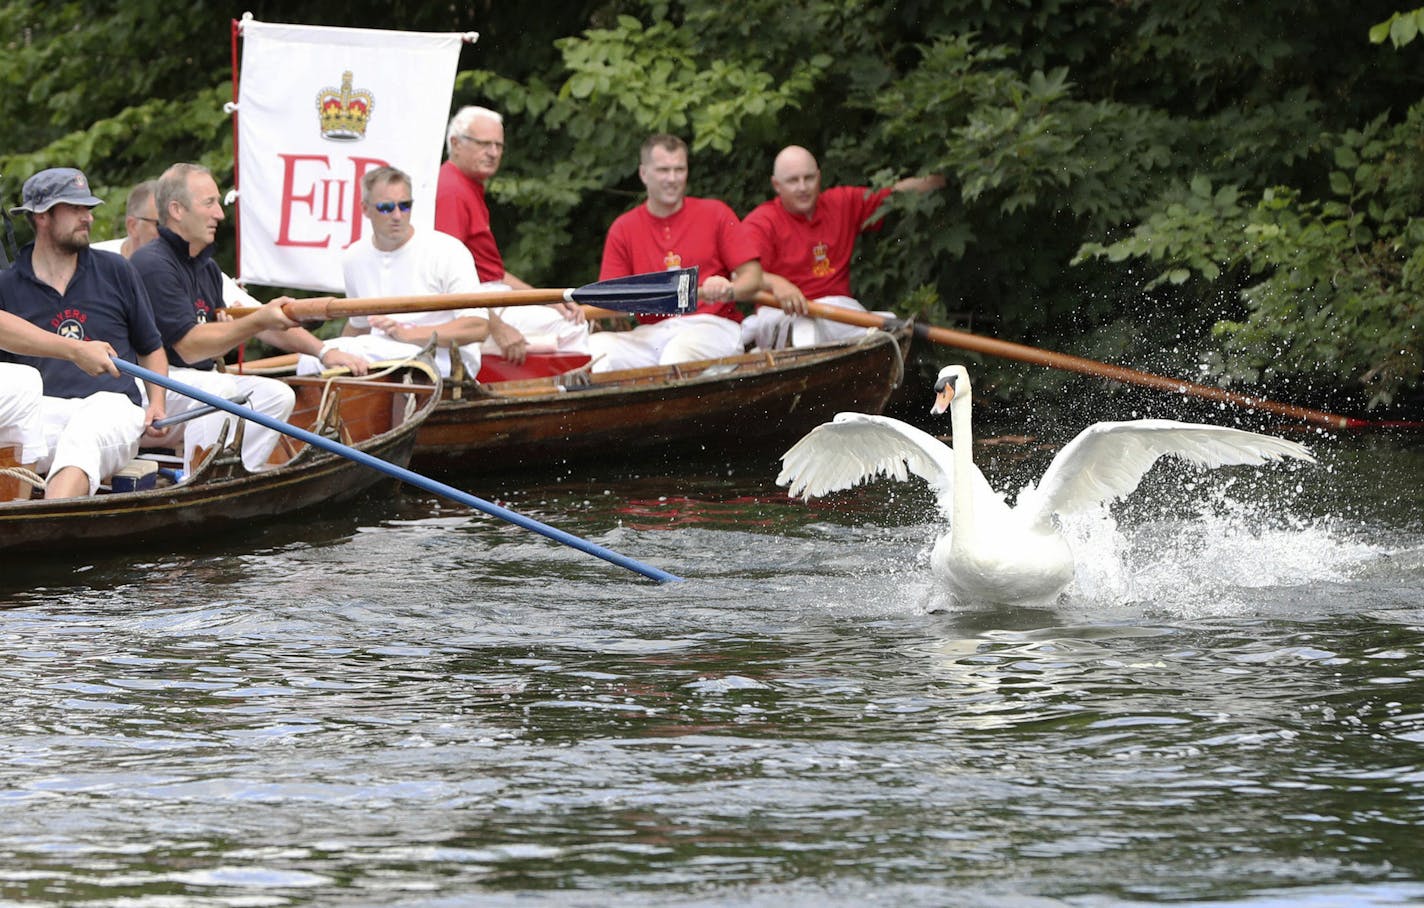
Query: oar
280	361
196	412
661	292
390	469
1023	353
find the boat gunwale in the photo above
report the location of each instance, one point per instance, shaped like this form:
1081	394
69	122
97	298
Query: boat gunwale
630	382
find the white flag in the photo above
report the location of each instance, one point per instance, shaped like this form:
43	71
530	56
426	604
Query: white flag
317	108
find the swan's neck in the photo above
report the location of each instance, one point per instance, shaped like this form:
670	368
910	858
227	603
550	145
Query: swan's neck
962	435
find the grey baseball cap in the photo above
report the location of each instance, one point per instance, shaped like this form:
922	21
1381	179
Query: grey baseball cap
48	188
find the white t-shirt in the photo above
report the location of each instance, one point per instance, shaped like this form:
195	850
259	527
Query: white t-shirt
428	262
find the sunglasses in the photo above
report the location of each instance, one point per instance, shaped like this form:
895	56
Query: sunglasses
388	207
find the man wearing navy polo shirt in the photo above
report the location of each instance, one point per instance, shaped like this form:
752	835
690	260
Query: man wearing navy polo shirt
92	423
184	285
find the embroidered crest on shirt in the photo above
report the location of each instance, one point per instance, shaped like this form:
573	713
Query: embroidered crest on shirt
672	261
70	323
822	265
203	310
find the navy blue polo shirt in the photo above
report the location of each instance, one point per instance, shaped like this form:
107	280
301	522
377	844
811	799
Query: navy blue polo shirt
185	290
103	301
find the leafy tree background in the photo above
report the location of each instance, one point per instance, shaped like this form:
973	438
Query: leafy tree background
1222	191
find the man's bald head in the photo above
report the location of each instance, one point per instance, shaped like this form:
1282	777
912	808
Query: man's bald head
796	178
792	157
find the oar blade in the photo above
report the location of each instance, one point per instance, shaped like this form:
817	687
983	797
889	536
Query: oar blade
660	292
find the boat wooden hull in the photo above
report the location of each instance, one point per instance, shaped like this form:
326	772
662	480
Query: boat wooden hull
704	408
378	417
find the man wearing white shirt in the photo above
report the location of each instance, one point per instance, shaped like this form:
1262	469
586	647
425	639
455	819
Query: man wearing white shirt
396	260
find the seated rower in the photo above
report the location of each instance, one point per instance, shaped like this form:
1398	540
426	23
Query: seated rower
22	406
671	229
91	416
21	423
474	143
184	285
397	260
805	238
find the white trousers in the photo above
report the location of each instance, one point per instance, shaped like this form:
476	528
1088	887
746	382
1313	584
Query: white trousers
544	328
267	395
376	347
98	434
680	339
21	414
771	329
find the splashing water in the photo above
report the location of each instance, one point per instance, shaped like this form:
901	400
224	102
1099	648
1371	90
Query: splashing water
1201	561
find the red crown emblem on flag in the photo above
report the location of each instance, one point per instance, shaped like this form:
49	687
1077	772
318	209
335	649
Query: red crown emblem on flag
344	112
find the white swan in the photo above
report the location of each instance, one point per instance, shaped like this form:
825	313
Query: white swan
994	553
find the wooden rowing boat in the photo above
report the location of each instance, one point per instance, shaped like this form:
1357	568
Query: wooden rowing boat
380	417
753	400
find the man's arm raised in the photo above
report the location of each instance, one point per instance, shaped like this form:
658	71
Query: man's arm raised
920	184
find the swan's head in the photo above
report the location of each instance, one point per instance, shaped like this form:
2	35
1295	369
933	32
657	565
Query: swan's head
952	384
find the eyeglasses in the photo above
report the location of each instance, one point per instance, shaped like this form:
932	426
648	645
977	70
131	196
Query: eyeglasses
149	220
388	207
481	144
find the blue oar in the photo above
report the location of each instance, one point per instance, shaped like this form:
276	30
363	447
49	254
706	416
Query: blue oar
390	469
196	412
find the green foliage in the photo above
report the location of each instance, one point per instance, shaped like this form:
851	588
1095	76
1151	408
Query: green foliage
1333	286
1015	143
656	80
66	66
1183	233
1399	29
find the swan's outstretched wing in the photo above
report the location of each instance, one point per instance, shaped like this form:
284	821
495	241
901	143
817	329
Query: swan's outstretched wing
857	446
1108	459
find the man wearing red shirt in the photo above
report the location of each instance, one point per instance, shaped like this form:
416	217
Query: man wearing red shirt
673	230
475	144
804	238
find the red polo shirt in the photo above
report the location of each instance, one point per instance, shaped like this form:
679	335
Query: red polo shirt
814	253
704	233
460	211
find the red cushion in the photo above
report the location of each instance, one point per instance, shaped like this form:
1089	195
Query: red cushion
536	365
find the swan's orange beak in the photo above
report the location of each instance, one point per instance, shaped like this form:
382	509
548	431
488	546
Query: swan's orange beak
943	397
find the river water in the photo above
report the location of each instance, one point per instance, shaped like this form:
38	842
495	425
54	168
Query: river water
403	703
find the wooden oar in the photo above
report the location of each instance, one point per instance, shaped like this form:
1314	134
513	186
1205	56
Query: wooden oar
661	292
1023	353
398	472
282	361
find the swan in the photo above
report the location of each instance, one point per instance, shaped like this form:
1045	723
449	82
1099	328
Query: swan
994	553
